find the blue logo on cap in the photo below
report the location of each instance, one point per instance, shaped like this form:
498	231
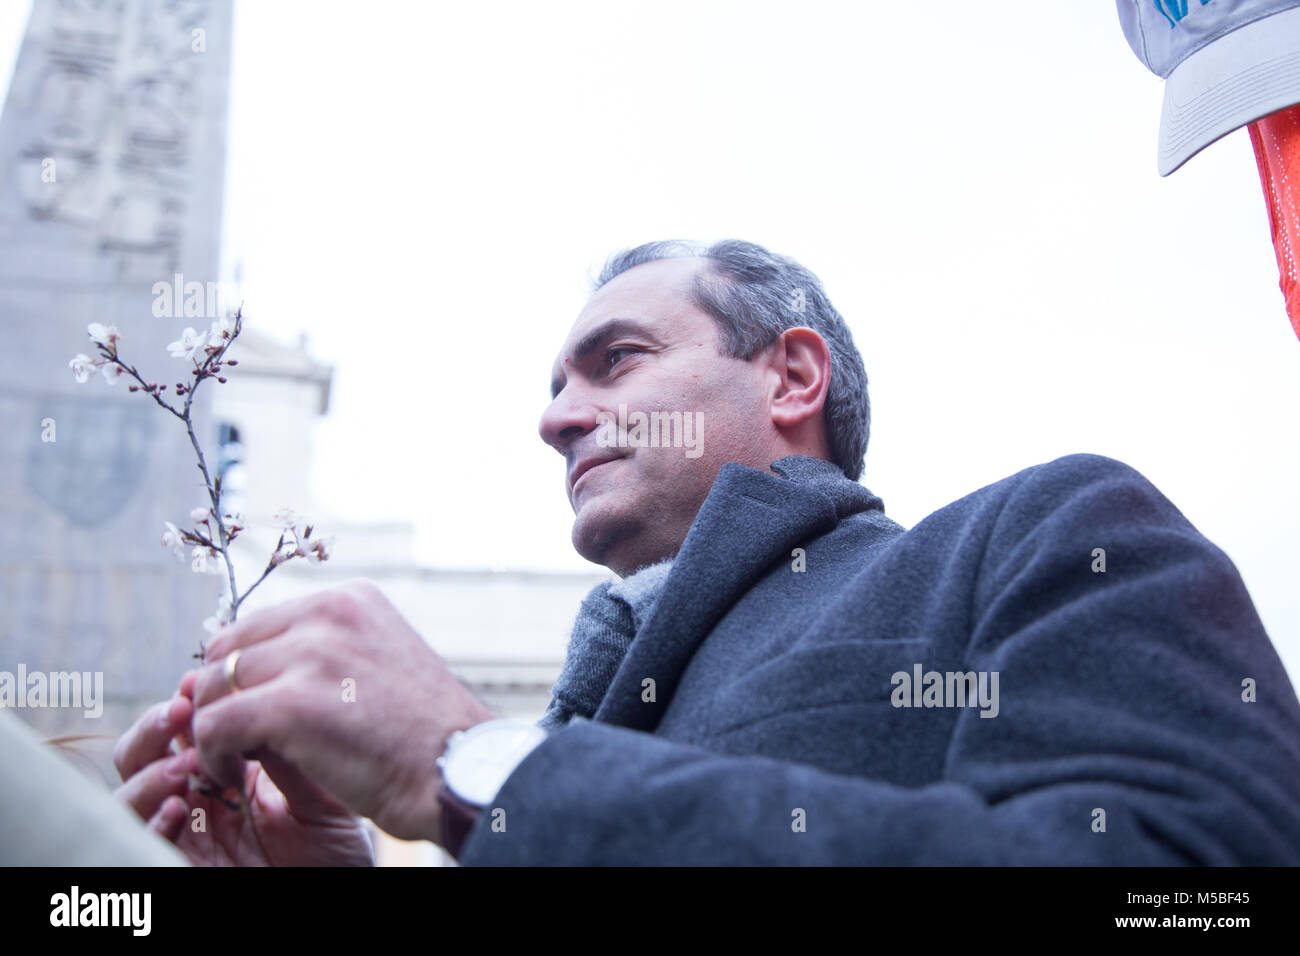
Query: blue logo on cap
1174	10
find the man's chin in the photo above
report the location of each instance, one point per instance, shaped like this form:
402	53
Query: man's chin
600	533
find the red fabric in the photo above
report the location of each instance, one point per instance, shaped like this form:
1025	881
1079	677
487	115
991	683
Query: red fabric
1276	139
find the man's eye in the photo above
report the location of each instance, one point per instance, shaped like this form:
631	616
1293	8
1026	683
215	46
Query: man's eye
615	355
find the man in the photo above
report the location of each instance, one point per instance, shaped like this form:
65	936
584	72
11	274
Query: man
1055	669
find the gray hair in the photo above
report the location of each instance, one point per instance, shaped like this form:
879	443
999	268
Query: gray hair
755	295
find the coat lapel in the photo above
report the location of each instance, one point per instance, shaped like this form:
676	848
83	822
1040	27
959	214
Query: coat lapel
749	519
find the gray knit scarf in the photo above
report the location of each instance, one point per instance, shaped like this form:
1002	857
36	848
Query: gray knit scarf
607	622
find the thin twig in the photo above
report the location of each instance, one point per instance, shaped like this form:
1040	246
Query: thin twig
214	494
270	566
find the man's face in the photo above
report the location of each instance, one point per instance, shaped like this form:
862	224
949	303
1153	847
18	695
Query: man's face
641	343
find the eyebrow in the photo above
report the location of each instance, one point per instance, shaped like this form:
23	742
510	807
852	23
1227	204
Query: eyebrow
596	339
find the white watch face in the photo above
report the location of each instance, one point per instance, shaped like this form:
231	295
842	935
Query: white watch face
479	761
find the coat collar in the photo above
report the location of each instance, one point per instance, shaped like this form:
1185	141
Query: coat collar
749	520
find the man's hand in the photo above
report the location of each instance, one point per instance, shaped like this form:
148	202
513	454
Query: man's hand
296	823
338	687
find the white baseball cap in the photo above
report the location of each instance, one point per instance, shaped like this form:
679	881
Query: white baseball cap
1225	63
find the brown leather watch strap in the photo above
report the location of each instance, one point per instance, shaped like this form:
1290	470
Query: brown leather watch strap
458	818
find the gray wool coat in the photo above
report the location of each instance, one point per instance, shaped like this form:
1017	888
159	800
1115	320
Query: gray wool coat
1142	715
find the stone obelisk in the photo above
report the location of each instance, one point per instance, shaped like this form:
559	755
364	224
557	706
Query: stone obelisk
112	161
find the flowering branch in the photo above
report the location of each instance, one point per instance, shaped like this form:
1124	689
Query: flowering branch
206	351
213	529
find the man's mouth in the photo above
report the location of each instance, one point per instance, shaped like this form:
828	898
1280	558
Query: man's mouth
584	466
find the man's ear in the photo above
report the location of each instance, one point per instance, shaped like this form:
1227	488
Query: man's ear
801	363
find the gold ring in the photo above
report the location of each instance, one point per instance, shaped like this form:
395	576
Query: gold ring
232	661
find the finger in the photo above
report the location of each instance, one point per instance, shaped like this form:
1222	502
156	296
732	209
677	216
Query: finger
184	738
255	666
260	626
148	738
170	819
146	791
237	724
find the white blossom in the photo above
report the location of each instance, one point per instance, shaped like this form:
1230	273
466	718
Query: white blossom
222	329
199	515
319	550
311	545
172	539
210	564
307	542
288	520
188	345
105	335
221	618
112	372
82	366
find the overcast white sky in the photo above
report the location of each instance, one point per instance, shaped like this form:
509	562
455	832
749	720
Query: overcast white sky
426	188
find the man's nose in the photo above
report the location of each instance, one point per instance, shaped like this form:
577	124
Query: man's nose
568	417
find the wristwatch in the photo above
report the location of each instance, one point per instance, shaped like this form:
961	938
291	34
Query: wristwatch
475	765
